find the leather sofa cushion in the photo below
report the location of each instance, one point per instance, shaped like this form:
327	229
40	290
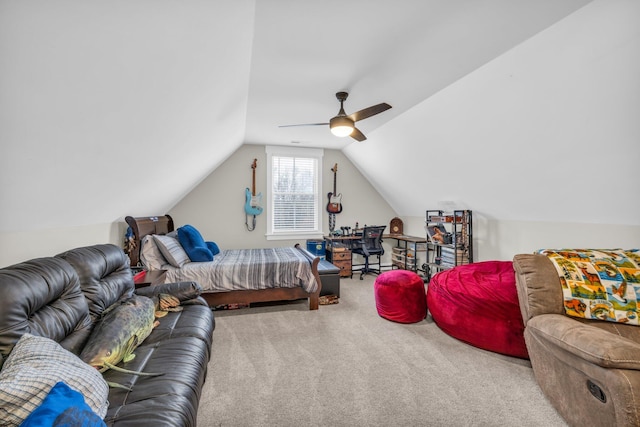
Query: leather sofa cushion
168	399
42	297
193	321
104	275
184	291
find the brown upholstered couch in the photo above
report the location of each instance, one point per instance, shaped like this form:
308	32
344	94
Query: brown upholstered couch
62	297
588	369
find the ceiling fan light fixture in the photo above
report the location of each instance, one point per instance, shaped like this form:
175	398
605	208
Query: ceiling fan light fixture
344	125
341	126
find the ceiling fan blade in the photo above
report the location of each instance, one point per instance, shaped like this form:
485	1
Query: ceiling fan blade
357	135
368	112
305	124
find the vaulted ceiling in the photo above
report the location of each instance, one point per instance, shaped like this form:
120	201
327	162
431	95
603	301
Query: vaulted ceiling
399	52
122	107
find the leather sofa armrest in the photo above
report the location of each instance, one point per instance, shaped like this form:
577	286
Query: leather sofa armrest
184	291
587	342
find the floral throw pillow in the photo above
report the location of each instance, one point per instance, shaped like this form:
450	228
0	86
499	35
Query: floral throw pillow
599	284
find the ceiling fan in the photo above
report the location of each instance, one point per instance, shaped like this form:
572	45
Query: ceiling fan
343	124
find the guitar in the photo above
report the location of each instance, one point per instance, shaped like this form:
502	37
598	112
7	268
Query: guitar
335	200
252	205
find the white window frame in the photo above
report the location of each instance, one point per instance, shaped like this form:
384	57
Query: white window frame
283	151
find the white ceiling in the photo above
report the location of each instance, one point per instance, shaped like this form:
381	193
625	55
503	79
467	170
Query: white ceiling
399	52
128	105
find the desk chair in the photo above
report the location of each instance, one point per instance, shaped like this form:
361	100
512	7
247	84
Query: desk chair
370	244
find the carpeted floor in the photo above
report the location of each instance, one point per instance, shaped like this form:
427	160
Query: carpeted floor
343	365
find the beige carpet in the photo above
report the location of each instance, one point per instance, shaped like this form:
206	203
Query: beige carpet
343	365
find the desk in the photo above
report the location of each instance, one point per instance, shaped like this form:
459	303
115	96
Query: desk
345	240
405	253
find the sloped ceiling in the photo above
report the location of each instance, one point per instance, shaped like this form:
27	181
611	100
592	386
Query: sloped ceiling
547	132
109	108
399	52
127	105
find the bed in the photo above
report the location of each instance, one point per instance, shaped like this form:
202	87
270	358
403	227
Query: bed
234	276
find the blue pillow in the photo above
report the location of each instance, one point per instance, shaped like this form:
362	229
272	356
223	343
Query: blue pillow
215	250
63	406
193	244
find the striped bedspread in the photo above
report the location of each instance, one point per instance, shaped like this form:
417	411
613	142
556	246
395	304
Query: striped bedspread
248	269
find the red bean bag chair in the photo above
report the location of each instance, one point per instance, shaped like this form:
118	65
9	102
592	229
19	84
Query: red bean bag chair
478	304
400	296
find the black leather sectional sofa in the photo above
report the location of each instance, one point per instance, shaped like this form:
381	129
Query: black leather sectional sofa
62	298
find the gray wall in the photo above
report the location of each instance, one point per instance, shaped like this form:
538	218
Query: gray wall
216	205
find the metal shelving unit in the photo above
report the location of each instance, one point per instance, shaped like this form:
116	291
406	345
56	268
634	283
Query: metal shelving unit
449	240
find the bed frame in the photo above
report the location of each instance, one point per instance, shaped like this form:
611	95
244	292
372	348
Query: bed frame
142	226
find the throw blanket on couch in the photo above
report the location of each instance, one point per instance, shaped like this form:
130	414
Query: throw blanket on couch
599	284
248	269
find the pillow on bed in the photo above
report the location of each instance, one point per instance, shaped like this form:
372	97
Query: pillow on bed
215	250
150	255
193	244
172	251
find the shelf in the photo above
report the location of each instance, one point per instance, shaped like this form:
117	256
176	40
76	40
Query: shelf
447	245
443	218
456	229
403	260
405	254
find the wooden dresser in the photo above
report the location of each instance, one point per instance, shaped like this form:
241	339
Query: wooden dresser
341	258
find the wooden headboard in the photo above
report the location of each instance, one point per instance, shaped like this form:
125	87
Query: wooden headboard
141	226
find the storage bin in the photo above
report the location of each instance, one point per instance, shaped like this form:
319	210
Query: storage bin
316	247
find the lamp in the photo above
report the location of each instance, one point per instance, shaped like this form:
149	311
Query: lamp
341	126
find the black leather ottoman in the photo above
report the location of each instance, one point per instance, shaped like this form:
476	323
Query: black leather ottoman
330	278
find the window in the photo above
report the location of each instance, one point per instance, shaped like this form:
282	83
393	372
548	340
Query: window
293	187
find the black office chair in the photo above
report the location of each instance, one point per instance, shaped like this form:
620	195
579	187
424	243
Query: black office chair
370	244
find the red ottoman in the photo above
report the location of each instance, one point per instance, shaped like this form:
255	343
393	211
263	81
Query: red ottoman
400	296
478	304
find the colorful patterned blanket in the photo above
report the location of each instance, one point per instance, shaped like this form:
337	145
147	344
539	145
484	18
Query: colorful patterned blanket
599	284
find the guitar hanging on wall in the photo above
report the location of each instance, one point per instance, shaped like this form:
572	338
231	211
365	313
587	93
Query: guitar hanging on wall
335	200
253	203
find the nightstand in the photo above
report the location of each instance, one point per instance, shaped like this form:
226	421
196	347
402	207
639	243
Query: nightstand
150	278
